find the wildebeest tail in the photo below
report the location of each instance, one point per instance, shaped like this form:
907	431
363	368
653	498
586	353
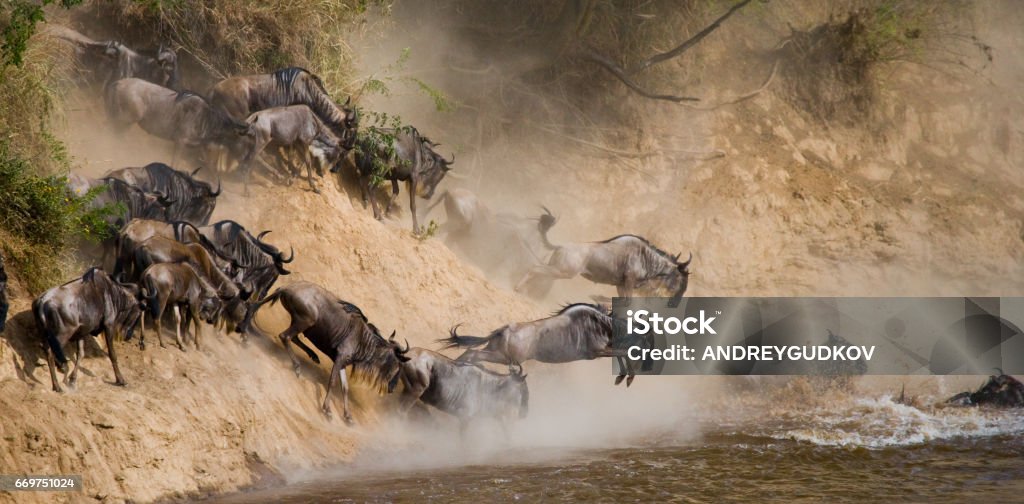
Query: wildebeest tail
39	310
250	314
455	340
544	224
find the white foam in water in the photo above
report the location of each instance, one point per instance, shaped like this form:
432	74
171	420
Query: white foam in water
881	422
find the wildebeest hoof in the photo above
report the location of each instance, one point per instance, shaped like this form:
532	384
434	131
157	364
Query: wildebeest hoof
618	379
348	420
121	383
629	381
298	373
58	390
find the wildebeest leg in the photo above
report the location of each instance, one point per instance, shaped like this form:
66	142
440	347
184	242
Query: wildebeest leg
391	199
344	396
193	313
309	351
118	378
73	377
484	356
53	370
373	200
336	372
177	326
541	270
412	206
309	160
158	319
286	339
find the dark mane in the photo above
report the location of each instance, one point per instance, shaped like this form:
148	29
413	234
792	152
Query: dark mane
285	77
353	309
570	306
650	245
182	95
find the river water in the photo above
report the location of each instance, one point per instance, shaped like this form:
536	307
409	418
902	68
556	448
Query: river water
766	449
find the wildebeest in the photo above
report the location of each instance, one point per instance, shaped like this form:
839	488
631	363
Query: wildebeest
466	391
297	129
184	118
576	332
111	60
186	291
135	203
194	200
408	157
3	295
160	249
89	305
137	231
341	332
629	262
496	242
262	262
241	96
1000	390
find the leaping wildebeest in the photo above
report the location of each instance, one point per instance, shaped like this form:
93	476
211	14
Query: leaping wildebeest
410	158
576	332
629	262
466	391
85	307
496	242
194	200
1000	390
184	118
297	129
341	332
242	95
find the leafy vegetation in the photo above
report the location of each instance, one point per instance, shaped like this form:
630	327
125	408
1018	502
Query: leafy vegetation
21	18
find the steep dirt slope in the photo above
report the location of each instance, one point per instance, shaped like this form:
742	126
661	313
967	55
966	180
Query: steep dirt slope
216	420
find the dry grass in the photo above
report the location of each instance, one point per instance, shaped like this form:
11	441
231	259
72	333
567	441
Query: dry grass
233	37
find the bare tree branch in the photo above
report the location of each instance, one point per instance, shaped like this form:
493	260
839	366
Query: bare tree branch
618	72
625	76
692	41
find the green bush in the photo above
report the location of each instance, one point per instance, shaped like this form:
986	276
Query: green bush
43	222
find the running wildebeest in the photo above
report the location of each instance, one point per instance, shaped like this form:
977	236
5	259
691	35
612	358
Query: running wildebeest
410	159
341	332
194	200
184	118
499	243
576	332
85	307
3	295
112	60
297	129
466	391
629	262
241	96
1000	390
181	287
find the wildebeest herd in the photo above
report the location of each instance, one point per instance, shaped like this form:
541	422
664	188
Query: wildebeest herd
167	260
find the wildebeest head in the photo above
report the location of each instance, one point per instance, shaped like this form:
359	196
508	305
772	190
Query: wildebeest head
677	279
436	167
518	382
348	139
391	359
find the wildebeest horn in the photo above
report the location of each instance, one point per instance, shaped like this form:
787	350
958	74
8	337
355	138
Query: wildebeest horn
194	172
164	200
217	192
290	257
687	263
262	234
449	163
